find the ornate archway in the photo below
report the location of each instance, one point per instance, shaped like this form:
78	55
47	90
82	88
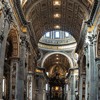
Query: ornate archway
11	63
69	59
13	35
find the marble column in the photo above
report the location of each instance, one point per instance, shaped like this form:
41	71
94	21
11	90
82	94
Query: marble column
92	74
38	92
82	87
44	95
26	74
95	70
40	87
34	88
68	92
1	72
87	75
98	78
14	65
20	71
2	56
30	86
72	86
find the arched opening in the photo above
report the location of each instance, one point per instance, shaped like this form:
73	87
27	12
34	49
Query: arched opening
57	63
9	75
56	53
56	66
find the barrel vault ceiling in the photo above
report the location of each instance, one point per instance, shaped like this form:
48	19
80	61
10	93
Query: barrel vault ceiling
48	15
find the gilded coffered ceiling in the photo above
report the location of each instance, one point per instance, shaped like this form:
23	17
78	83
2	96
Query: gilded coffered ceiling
65	15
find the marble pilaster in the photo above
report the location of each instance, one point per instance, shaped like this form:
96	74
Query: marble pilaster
14	65
98	77
44	95
40	89
72	86
87	74
30	87
20	73
92	79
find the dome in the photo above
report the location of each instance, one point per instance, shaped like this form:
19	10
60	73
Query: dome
57	40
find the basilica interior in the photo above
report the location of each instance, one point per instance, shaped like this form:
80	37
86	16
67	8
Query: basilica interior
49	49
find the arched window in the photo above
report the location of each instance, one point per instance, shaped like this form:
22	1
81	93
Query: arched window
47	35
57	35
66	34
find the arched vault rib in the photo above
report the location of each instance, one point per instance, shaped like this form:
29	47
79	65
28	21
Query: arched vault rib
56	53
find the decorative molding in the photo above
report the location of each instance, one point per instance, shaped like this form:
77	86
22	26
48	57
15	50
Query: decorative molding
24	42
92	38
8	17
7	12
